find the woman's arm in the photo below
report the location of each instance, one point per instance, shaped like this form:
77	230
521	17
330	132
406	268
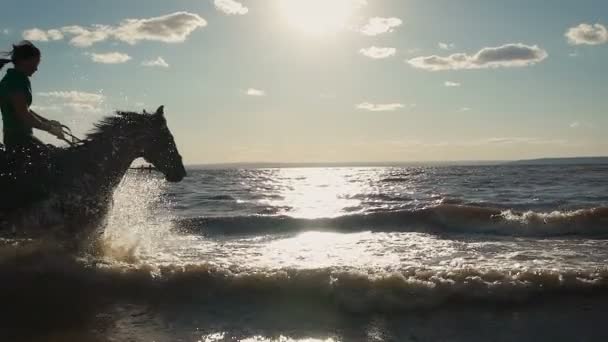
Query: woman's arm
40	117
19	103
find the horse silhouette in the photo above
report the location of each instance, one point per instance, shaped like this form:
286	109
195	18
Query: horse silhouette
74	186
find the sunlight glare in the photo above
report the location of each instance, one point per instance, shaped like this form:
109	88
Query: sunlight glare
318	16
316	192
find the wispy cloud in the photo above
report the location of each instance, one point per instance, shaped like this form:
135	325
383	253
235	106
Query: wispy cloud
41	35
446	46
75	100
49	108
255	92
464	109
5	31
522	140
580	124
587	34
231	7
85	37
378	52
158	62
109	57
451	84
510	55
82	107
495	142
170	28
386	107
378	25
75	96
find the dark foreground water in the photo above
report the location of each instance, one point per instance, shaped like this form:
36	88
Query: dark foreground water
488	253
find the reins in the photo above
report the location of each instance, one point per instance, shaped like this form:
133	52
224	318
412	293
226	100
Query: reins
65	129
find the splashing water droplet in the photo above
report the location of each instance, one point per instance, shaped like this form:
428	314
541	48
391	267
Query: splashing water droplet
139	221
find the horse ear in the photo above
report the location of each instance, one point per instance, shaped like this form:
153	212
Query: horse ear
160	110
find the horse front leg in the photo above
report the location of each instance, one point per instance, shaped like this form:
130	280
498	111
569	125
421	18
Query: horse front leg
86	218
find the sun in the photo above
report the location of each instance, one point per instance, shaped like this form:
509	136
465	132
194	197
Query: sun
318	16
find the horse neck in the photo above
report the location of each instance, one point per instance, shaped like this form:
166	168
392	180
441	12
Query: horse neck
112	156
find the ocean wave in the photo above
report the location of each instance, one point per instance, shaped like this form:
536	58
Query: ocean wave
445	218
357	291
379	197
395	180
222	198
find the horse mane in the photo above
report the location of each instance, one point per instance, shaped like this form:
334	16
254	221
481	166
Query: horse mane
118	120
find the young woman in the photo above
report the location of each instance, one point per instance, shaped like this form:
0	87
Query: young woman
16	98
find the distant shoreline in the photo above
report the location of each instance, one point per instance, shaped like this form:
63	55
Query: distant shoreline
540	161
563	161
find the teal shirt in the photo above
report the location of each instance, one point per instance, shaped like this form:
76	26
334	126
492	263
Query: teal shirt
15	131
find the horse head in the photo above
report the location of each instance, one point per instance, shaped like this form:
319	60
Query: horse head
159	147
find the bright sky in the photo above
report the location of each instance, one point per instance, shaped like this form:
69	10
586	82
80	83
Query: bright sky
330	80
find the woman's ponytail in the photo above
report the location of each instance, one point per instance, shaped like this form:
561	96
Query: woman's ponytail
3	62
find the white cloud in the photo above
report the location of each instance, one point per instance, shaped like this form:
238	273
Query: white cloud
509	55
109	58
495	141
255	92
75	96
159	62
170	28
387	107
378	52
5	31
581	124
49	108
522	140
452	84
464	109
85	37
231	7
77	101
38	35
54	34
587	34
446	46
83	107
378	25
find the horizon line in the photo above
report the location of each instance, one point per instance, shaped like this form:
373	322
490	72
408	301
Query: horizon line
390	163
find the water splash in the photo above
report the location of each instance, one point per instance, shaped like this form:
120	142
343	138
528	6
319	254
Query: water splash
139	221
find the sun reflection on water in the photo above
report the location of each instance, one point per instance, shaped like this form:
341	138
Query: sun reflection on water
313	193
220	336
321	250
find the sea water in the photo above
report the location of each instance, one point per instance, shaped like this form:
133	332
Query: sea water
449	253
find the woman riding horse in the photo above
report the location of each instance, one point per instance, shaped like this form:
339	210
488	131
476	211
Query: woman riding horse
15	100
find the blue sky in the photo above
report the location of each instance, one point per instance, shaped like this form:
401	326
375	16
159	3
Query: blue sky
331	80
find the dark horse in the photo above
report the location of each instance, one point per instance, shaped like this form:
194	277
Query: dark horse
73	187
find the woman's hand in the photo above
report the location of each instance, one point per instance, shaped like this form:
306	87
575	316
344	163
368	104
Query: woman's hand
55	128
